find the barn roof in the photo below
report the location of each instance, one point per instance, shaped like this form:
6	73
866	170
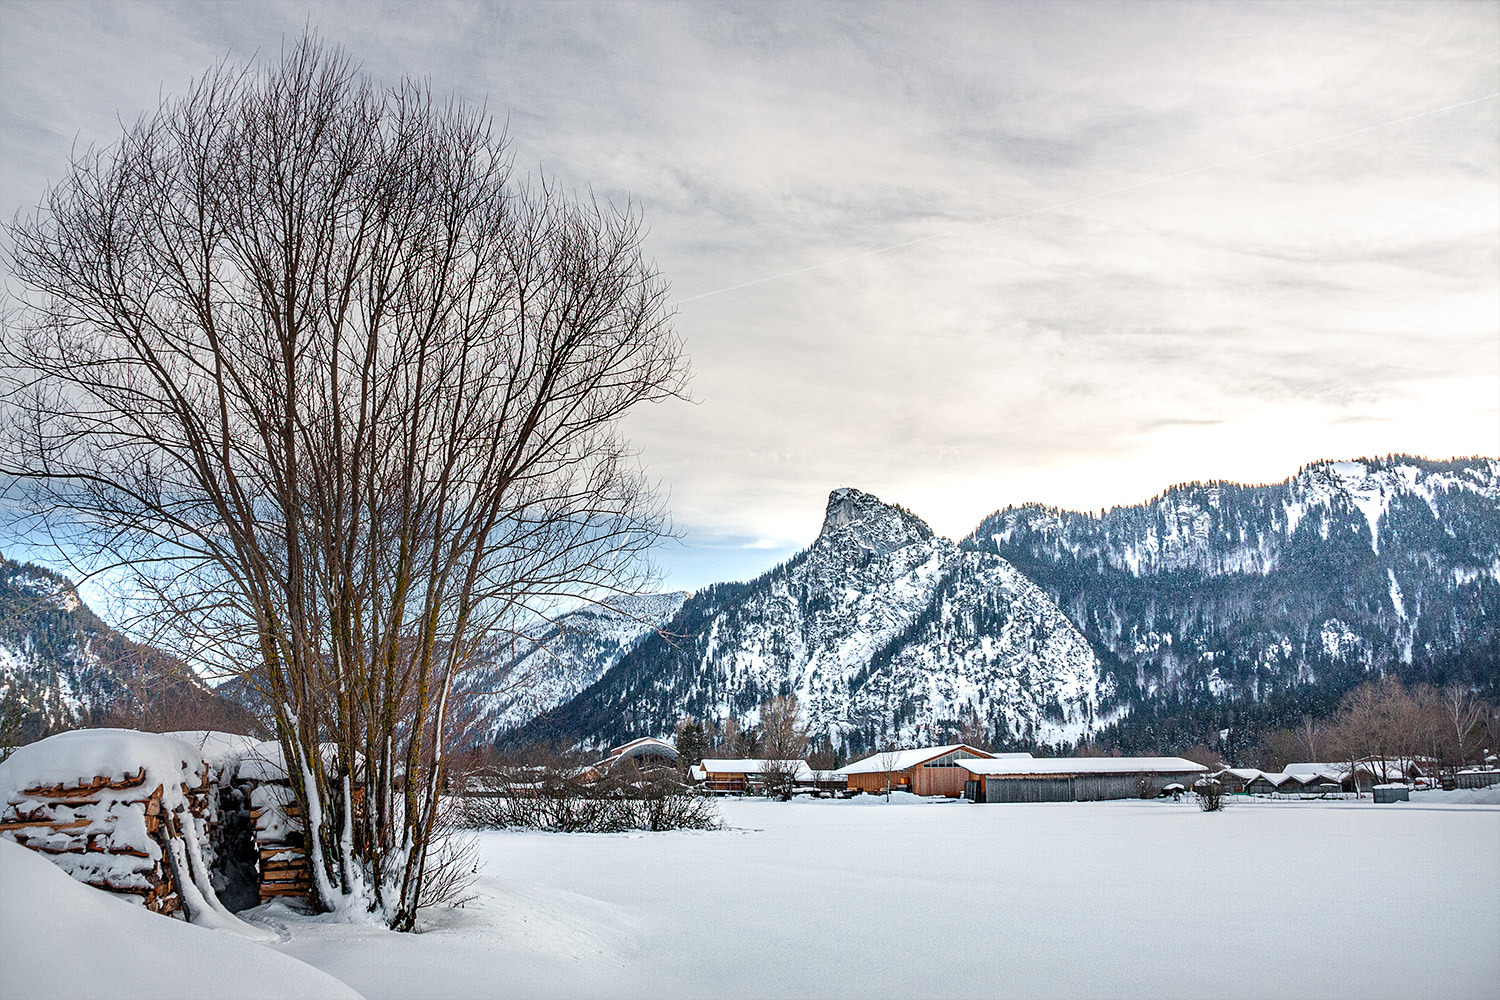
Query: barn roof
901	760
750	765
1047	766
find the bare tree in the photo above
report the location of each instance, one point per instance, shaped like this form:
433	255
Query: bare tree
1309	736
1463	719
888	759
783	734
1210	793
338	397
974	731
783	744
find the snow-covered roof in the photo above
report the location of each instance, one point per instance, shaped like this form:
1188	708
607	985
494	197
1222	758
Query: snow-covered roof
1079	765
1315	768
901	760
1279	778
1243	773
749	765
1370	765
643	745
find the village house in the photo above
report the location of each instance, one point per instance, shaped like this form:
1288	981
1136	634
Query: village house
739	776
920	770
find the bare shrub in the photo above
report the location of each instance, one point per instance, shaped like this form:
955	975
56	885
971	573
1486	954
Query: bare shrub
1210	794
560	800
452	866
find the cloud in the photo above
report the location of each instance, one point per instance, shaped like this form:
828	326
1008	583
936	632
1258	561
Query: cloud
1333	300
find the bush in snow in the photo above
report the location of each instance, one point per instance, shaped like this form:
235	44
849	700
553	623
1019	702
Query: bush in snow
1210	794
549	798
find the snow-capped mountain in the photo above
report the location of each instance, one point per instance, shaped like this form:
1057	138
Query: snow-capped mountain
882	631
527	676
1243	591
61	666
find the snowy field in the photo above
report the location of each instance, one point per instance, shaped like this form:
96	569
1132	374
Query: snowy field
861	898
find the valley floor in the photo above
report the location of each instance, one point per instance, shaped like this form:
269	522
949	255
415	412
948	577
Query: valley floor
920	898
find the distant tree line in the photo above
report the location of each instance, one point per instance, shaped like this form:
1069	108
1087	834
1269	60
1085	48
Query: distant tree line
1386	720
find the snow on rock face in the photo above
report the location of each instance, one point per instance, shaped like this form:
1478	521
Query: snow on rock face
870	524
1244	590
528	676
881	630
61	666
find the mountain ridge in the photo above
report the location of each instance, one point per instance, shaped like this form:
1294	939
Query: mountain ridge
1218	593
884	632
62	666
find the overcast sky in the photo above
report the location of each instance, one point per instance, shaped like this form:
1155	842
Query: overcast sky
1050	337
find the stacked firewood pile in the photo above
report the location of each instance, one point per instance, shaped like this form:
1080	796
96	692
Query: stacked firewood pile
114	833
277	820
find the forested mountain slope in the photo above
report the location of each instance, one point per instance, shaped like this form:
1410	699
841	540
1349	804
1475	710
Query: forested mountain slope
1286	594
61	666
523	677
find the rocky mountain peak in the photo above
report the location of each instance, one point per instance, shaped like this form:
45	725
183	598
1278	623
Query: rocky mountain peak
871	523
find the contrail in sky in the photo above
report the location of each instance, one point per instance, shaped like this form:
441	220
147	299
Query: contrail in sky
1080	200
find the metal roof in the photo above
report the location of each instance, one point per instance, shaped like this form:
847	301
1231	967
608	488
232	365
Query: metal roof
1056	766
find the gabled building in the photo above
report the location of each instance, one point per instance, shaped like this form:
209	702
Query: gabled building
1234	779
920	770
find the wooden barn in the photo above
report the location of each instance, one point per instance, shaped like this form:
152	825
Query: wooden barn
921	770
1075	779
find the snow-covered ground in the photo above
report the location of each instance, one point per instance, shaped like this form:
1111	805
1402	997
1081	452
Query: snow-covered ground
862	898
62	939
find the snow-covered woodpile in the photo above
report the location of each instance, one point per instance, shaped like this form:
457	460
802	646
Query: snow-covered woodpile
284	868
132	813
277	825
177	821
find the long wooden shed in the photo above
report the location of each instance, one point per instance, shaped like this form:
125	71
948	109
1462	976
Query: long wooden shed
1075	779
